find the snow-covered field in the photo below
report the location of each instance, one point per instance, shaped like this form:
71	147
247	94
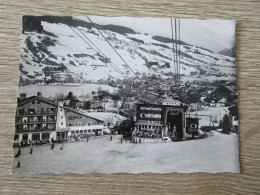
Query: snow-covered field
207	111
217	153
52	90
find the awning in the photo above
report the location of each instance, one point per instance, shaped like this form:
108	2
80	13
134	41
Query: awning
63	129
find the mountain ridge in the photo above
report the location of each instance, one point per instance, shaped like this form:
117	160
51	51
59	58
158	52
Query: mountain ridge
51	43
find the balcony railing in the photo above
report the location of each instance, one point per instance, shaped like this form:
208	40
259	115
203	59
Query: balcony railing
35	121
37	113
34	129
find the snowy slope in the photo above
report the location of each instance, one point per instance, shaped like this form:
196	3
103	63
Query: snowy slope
62	49
216	153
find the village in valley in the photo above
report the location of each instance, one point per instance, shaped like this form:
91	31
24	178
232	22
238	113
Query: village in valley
108	123
210	103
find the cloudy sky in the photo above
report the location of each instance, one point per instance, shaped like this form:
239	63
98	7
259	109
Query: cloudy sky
213	34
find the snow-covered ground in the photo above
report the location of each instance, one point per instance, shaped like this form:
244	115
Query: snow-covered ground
52	90
216	153
216	114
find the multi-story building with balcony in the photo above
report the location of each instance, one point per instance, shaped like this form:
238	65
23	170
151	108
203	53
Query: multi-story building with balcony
38	119
35	119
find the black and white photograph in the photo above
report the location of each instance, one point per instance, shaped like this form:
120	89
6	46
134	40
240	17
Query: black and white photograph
126	95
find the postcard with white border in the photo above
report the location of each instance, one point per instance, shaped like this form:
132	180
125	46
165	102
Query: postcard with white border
126	95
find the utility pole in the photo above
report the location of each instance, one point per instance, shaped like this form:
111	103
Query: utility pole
174	63
179	42
176	48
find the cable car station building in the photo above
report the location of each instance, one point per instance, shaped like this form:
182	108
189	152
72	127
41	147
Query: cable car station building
163	115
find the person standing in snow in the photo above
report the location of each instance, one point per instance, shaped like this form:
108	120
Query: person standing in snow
19	152
61	145
52	145
18	164
111	138
31	151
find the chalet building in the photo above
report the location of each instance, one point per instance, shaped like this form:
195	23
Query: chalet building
162	115
225	91
40	119
80	123
35	119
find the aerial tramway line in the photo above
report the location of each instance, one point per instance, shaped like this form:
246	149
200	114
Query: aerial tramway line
112	47
176	49
99	51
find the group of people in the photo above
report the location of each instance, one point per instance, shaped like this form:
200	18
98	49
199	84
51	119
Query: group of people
136	140
19	154
53	146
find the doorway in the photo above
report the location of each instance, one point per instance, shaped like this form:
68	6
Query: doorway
174	123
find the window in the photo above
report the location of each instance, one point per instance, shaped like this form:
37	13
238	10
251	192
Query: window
90	131
38	101
61	123
35	136
85	131
31	111
61	117
193	125
81	131
25	136
33	102
89	124
77	131
142	115
21	111
45	136
72	132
